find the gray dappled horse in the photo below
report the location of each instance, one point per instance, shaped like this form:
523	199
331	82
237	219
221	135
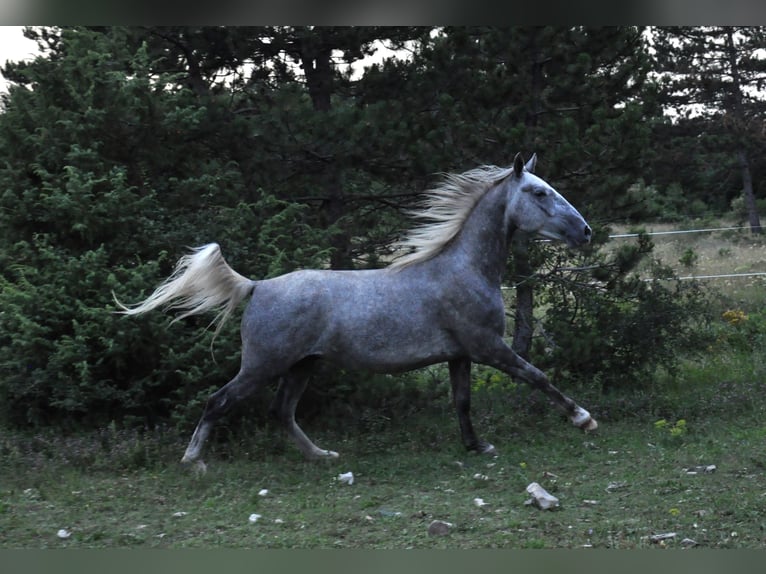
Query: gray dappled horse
440	301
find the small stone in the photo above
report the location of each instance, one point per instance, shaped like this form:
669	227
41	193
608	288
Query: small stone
254	518
439	528
542	498
346	478
63	534
613	486
659	538
701	469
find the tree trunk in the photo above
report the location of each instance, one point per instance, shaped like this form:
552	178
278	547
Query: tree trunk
747	185
523	319
316	59
739	122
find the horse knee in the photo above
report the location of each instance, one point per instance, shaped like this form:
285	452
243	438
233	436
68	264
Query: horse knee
218	404
281	414
462	401
274	412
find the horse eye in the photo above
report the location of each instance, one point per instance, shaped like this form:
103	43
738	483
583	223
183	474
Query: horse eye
540	192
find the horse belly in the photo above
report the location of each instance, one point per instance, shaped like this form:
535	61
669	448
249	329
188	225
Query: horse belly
384	347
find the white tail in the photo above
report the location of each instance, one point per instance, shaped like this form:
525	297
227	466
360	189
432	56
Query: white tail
202	281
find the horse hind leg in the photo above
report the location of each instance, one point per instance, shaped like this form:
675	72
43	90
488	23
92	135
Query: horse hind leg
218	404
460	378
289	392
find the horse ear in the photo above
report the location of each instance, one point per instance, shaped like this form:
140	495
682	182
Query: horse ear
531	163
518	165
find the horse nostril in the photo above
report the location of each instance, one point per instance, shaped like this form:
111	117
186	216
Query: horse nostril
587	231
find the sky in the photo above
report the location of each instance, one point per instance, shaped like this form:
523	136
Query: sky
15	47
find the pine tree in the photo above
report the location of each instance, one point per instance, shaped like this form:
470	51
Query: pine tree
112	168
718	73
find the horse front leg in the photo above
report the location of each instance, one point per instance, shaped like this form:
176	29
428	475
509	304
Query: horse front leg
502	357
460	378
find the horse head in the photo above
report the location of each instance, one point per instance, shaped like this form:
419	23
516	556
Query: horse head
535	207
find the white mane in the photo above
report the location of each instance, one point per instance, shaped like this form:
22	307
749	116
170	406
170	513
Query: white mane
444	211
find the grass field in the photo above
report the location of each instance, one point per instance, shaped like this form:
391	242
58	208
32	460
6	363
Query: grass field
634	483
711	253
617	488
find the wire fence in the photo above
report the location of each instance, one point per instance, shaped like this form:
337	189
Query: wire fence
679	232
703	230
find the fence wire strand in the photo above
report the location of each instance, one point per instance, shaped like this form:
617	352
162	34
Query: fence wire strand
679	232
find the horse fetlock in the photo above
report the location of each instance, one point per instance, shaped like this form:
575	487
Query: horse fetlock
481	447
321	454
197	466
582	419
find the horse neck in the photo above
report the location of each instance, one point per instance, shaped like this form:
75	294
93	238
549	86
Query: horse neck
482	243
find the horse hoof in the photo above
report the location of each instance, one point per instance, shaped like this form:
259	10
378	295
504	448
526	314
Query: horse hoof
321	454
483	448
198	467
582	420
590	425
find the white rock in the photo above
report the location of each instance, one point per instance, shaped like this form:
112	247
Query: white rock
346	477
613	486
63	534
254	518
263	492
704	469
479	502
542	498
656	538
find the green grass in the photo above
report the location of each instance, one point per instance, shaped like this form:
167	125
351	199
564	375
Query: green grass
127	492
711	253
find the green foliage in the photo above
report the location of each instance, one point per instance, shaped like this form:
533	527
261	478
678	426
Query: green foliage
619	331
642	202
739	331
108	180
689	258
674	431
711	78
